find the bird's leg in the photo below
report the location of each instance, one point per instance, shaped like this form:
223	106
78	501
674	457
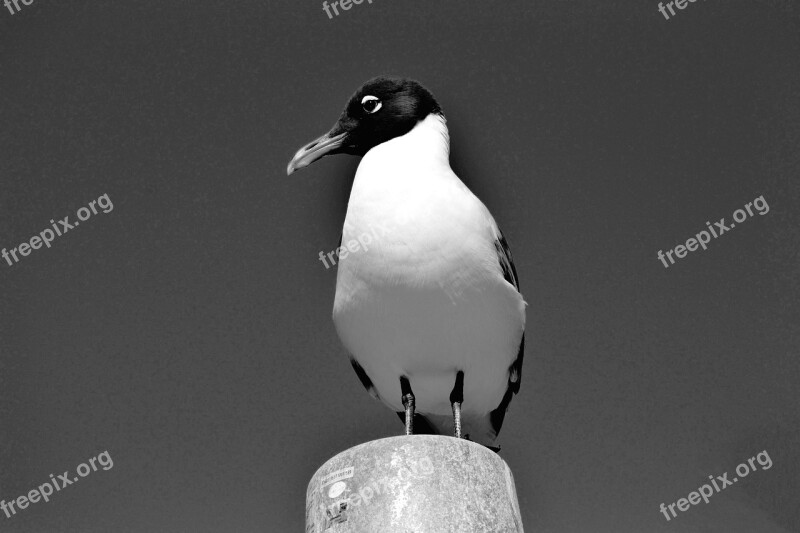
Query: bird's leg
456	399
408	404
457	419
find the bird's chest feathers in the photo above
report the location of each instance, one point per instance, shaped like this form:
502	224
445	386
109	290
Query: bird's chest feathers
420	230
422	227
411	216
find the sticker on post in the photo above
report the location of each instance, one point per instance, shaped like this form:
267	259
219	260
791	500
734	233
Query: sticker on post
339	475
336	489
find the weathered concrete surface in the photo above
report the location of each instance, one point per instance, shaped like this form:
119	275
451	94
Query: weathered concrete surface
413	484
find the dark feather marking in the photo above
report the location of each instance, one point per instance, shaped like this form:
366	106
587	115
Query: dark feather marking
515	370
506	262
364	378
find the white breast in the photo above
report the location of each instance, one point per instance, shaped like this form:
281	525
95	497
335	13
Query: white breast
426	296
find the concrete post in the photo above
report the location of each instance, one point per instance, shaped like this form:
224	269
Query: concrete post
413	484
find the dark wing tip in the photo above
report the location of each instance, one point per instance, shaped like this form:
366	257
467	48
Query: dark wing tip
364	379
514	380
506	262
515	370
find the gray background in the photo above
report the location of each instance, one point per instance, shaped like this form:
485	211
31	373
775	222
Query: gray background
188	331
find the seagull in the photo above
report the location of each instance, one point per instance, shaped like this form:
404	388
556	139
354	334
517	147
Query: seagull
429	307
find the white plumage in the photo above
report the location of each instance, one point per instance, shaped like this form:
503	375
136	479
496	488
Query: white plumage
428	306
428	296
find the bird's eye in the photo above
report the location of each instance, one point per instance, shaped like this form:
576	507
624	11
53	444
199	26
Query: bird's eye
371	104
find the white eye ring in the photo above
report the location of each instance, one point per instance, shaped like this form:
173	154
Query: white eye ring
366	101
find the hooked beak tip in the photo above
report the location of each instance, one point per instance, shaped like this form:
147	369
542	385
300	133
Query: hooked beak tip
320	147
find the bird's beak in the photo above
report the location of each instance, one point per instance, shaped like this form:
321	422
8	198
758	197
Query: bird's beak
320	147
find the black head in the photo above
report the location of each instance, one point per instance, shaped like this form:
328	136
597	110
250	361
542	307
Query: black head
382	109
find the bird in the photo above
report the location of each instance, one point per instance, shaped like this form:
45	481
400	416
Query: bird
429	307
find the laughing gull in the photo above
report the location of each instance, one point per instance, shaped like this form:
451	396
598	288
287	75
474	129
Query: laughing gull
430	308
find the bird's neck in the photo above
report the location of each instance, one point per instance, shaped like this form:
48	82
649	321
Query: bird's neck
427	143
401	173
405	191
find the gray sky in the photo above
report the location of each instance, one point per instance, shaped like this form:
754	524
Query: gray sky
188	331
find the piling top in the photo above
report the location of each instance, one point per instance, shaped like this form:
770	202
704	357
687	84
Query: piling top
413	484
